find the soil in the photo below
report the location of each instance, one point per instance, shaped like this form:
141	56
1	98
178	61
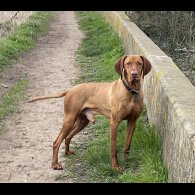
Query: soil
26	142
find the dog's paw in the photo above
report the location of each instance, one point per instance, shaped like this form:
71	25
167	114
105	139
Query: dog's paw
57	166
117	168
69	152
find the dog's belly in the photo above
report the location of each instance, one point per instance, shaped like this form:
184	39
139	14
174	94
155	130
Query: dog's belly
93	106
90	112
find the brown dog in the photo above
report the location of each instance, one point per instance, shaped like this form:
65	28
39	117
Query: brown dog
119	100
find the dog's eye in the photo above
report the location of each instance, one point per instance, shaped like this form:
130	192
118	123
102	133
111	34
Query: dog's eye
139	63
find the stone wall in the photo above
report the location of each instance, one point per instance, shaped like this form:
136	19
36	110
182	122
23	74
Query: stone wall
169	98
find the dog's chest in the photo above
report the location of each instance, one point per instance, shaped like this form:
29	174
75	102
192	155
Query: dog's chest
130	108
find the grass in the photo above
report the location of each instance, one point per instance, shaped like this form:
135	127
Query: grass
23	37
144	163
98	52
12	46
11	98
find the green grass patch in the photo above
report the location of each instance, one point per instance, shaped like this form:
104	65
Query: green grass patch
23	37
11	98
145	159
99	50
96	57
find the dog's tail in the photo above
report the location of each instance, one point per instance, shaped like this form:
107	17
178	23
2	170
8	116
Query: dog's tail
57	95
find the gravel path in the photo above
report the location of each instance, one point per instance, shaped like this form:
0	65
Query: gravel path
26	145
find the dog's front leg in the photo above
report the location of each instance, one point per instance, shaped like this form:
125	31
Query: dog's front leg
128	135
113	144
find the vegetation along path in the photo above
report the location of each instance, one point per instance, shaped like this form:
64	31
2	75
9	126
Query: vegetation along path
26	145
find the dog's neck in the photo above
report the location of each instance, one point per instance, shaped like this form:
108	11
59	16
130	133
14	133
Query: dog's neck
130	89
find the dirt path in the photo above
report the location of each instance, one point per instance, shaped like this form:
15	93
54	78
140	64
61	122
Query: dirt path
26	146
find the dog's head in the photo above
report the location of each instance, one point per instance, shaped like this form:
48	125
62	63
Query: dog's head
133	67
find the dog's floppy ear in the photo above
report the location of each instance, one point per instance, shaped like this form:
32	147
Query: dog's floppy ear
146	66
119	65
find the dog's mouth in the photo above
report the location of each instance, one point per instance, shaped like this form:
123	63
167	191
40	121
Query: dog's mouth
134	79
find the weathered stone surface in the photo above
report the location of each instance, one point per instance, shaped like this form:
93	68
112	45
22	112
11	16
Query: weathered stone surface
169	98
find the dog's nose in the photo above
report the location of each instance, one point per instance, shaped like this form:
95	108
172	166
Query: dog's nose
133	73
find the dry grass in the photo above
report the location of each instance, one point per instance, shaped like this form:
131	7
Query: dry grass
10	20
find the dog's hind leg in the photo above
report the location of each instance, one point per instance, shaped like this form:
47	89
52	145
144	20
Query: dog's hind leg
66	128
80	123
